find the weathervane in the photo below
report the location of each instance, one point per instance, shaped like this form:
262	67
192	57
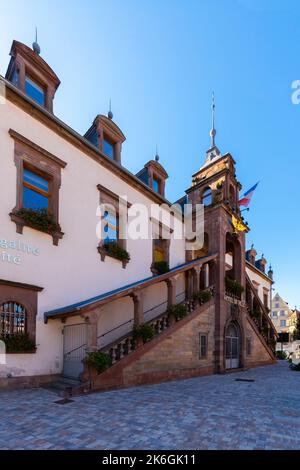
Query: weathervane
213	130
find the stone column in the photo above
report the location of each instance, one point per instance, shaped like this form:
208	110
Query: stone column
196	279
91	320
138	308
171	284
206	276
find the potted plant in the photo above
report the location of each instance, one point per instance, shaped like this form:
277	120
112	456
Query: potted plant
233	287
98	360
144	332
160	267
19	343
178	311
38	219
203	296
114	250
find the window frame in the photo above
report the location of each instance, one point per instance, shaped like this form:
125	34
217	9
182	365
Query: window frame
25	295
159	231
38	160
110	199
203	335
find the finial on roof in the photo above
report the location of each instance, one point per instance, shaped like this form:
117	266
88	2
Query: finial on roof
213	130
110	114
252	246
35	45
156	155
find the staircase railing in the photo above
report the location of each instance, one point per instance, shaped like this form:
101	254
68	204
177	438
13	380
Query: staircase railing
127	344
261	318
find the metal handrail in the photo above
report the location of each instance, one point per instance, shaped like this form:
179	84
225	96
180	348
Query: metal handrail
122	324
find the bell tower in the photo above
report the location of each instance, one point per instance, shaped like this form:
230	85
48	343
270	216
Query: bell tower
216	187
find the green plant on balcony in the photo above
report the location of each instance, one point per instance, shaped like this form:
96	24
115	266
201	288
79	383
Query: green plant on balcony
255	314
160	267
144	332
281	355
233	287
19	343
178	311
203	296
98	360
265	330
116	251
39	219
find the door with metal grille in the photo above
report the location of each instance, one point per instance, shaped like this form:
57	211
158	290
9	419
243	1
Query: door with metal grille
75	344
232	346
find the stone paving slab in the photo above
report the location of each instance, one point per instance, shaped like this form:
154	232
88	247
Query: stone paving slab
214	412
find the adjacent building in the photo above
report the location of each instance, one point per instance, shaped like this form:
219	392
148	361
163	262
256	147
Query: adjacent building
283	317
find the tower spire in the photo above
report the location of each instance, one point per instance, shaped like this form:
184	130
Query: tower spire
110	114
35	45
213	130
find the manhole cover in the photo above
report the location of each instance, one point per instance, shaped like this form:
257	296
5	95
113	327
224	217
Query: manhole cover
244	380
64	401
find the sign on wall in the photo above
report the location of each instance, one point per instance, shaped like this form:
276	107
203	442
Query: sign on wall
12	251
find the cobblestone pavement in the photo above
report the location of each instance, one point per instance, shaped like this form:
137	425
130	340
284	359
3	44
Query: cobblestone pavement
215	412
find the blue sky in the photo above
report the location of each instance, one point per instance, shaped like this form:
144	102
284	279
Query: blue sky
159	61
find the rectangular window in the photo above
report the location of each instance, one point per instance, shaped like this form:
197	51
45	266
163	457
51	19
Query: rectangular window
108	148
274	314
282	322
111	227
203	345
277	305
34	91
282	313
266	300
159	250
155	185
36	191
248	346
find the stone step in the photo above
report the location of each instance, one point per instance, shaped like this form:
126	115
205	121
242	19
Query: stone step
63	386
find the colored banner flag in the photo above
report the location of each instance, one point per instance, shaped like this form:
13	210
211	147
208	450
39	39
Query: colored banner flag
245	201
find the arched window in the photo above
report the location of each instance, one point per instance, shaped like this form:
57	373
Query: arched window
207	197
12	319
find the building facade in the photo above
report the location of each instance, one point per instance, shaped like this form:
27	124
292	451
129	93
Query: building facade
66	291
284	318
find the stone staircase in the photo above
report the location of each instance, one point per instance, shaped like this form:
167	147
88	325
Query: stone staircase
66	387
127	344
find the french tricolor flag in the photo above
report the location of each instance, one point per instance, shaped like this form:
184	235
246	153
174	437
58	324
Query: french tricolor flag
245	201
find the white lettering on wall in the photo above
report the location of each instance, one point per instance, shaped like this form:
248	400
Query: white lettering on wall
18	248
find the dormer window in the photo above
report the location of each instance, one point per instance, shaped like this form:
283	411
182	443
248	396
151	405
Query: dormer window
28	72
107	137
108	147
34	91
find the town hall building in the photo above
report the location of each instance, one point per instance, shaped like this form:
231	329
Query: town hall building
155	308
